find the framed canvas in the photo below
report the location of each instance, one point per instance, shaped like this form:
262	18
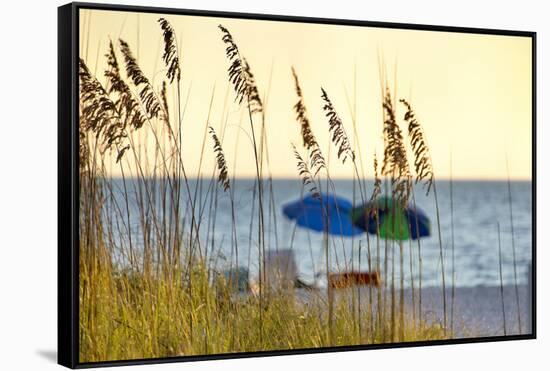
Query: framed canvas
238	185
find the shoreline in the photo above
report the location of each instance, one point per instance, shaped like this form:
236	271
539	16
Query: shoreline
477	309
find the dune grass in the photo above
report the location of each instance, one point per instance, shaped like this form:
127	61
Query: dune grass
126	314
157	289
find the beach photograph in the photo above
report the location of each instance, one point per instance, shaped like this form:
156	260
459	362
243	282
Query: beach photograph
251	185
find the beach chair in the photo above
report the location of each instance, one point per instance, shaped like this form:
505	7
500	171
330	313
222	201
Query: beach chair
281	271
350	279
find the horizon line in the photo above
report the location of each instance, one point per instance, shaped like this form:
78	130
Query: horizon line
337	178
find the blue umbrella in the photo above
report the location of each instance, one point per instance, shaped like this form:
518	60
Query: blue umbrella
328	213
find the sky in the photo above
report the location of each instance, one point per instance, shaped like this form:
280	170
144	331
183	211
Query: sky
471	92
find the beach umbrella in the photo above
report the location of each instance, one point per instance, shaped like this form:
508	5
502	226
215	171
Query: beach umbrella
391	219
328	213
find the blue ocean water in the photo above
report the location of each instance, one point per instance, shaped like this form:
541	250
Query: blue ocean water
478	207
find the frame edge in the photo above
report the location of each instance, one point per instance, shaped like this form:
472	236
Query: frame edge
68	182
67	261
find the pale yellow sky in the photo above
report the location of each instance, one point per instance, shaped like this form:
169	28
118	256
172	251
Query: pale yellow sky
472	93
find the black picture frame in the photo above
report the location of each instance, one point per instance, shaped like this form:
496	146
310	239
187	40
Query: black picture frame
68	262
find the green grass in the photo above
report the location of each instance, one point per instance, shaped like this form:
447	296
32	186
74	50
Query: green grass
148	290
127	314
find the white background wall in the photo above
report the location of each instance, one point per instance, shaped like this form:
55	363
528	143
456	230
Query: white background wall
28	168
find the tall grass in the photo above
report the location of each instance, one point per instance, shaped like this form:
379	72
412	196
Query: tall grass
425	173
151	284
246	91
503	306
514	258
453	271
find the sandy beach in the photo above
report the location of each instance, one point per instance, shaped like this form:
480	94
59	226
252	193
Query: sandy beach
479	309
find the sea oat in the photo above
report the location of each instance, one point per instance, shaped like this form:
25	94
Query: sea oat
240	74
170	55
164	99
223	177
377	189
422	160
98	113
309	141
395	163
127	106
146	91
336	127
305	173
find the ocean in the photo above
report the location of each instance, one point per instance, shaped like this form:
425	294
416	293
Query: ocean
478	207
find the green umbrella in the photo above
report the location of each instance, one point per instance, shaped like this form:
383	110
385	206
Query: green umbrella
391	219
